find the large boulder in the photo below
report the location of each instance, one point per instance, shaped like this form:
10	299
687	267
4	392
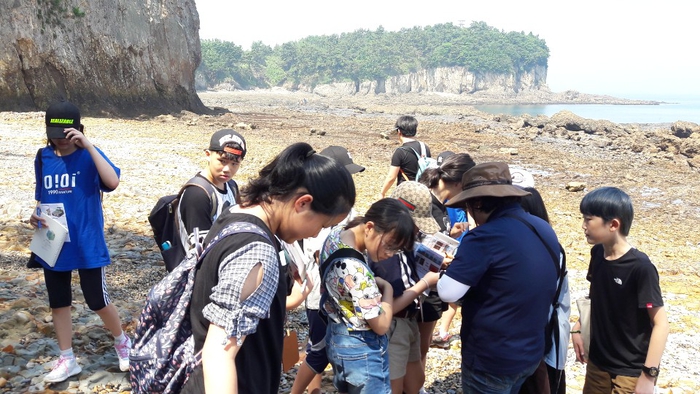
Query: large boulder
116	57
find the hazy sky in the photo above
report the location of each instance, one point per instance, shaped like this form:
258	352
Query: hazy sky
618	47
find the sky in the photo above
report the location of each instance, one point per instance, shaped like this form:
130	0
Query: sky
633	49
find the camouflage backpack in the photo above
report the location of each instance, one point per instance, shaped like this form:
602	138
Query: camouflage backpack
162	356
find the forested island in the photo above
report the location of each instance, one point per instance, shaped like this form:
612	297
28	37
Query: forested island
378	55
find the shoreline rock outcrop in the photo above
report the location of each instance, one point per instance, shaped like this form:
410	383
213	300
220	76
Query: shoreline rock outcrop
110	57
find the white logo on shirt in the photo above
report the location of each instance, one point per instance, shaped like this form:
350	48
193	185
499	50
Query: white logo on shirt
618	281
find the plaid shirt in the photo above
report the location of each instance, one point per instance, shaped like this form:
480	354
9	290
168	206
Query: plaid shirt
240	318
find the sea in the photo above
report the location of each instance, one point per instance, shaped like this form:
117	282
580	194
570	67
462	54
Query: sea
673	108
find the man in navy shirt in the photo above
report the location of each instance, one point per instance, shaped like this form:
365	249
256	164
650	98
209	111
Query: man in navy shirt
505	275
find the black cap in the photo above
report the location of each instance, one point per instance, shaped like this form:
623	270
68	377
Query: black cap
342	156
444	155
59	116
229	141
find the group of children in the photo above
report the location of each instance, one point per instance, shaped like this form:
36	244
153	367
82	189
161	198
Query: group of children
371	317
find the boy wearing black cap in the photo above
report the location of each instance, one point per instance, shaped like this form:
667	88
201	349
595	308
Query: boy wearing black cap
200	206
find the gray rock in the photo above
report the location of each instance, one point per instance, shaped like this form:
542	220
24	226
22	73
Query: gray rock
103	55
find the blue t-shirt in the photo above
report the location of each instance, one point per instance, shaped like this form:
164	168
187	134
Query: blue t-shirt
512	281
457	215
68	188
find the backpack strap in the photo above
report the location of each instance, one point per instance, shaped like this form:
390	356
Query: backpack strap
234	188
38	170
423	150
341	253
230	229
207	187
561	273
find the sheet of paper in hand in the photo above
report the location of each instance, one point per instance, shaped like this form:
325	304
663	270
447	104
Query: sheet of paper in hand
427	260
48	240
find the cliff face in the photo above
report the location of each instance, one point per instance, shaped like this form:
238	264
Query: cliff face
106	56
455	80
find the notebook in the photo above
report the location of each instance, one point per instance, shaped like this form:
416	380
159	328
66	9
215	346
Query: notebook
48	240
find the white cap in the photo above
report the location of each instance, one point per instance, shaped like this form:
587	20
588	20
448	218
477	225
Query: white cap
521	177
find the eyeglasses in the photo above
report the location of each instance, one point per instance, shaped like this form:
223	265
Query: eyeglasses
391	250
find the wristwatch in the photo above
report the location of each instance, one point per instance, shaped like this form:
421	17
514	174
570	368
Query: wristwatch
650	371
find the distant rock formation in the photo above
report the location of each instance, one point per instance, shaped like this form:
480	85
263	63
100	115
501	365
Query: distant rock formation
478	88
116	57
455	80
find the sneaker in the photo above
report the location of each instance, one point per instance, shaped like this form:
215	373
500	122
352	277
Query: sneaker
63	369
441	341
123	353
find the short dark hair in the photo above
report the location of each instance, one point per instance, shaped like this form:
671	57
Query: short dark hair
407	125
298	166
609	203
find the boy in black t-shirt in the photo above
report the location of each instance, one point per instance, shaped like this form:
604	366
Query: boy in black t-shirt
404	161
629	326
200	206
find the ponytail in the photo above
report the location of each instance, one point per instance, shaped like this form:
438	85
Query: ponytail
450	171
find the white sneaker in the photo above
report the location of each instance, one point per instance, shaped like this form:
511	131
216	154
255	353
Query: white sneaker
63	369
123	353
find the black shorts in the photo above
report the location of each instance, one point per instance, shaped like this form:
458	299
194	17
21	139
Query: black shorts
432	308
92	282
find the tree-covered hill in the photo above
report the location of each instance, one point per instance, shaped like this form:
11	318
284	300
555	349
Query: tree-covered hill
372	55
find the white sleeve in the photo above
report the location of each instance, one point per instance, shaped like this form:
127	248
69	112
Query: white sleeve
450	290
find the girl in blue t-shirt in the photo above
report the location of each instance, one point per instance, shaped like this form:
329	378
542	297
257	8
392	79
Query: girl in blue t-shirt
71	174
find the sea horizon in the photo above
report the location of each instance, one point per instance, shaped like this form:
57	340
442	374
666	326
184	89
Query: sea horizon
673	108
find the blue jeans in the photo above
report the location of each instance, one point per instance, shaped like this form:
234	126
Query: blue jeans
487	383
360	360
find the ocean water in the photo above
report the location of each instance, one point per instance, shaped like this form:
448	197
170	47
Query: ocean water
675	108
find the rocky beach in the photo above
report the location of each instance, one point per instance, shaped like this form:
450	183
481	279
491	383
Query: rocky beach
657	164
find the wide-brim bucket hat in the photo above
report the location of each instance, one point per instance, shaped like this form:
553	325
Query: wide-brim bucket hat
487	180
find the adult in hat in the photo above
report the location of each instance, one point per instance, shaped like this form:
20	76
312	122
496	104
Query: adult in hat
506	277
200	206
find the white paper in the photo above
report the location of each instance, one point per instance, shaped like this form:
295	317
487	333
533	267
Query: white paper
48	240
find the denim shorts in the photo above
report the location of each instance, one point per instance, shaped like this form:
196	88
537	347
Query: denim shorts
360	360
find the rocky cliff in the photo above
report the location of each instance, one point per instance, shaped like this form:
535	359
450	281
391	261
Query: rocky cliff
456	80
117	57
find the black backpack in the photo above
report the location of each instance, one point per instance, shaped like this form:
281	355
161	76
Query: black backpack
166	225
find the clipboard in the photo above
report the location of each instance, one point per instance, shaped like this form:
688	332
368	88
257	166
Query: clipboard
48	240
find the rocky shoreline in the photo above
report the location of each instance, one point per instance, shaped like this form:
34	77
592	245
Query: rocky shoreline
652	162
